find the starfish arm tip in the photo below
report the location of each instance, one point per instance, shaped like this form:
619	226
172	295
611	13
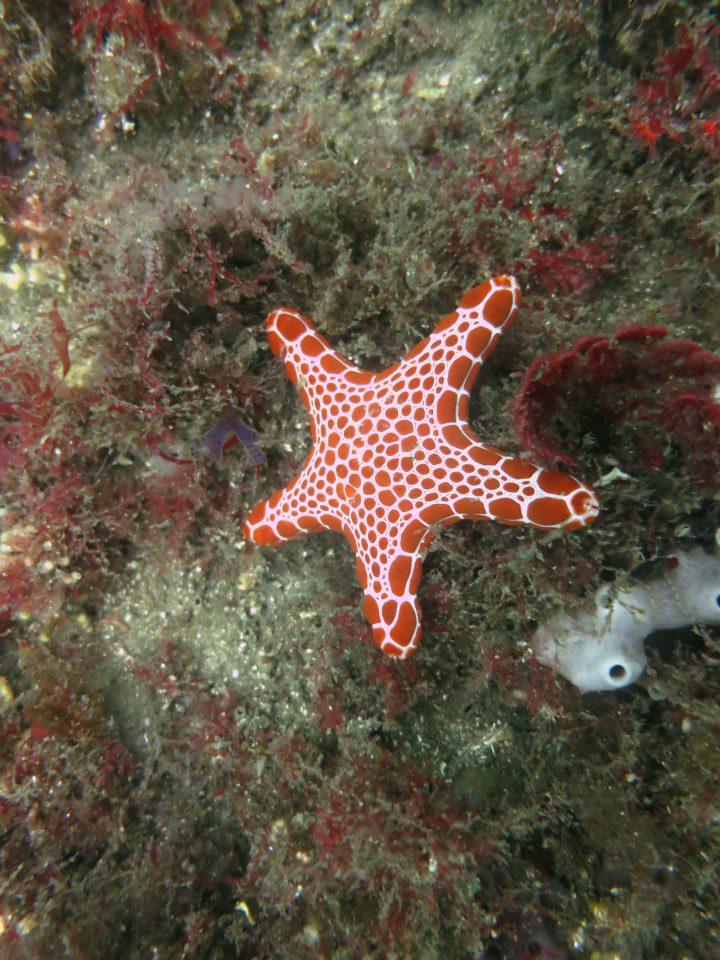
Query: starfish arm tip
495	302
562	502
391	605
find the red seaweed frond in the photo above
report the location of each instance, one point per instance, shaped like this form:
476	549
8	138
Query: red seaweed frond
632	391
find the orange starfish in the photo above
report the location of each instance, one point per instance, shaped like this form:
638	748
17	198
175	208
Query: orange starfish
393	455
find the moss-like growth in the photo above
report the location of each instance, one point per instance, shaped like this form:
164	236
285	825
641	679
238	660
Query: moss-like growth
201	753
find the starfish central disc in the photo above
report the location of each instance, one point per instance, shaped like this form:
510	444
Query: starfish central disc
393	456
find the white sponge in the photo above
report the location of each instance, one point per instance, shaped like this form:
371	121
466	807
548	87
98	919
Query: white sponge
601	647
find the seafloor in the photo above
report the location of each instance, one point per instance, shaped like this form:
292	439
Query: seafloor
202	754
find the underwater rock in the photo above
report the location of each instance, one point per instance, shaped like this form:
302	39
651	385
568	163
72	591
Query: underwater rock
524	933
602	646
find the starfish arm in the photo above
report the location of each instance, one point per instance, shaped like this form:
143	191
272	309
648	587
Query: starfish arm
287	515
389	568
462	340
491	485
310	362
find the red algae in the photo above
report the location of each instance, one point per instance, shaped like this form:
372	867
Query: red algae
633	392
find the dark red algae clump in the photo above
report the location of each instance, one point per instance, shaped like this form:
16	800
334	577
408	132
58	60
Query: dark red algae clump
633	392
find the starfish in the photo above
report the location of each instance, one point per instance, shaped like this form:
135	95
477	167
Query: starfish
393	456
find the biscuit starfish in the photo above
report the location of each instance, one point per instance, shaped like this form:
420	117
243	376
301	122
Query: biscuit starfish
393	455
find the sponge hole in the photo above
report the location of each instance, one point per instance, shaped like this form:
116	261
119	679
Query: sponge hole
617	672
